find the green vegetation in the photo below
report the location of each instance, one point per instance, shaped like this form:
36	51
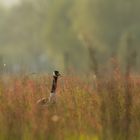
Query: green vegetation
42	35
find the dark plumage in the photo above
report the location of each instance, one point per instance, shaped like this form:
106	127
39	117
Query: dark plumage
51	99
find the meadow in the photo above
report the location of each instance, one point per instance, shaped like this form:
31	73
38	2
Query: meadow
86	108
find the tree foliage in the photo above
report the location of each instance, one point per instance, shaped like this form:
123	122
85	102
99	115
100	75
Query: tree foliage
62	30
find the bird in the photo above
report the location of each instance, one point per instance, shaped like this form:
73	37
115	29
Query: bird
52	97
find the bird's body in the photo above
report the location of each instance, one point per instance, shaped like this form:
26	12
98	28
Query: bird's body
52	97
42	101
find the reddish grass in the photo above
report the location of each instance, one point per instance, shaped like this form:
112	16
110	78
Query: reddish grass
82	111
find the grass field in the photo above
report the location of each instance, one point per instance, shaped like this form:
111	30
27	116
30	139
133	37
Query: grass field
105	109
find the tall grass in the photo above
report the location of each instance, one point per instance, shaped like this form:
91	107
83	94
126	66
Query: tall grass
81	112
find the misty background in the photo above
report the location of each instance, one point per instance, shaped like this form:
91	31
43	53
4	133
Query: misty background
78	35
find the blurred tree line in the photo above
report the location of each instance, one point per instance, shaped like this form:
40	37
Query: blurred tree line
81	35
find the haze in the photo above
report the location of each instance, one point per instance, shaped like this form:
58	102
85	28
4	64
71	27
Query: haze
9	3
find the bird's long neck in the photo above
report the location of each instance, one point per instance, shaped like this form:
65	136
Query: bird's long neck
54	84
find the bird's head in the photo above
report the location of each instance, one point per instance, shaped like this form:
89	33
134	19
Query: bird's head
56	73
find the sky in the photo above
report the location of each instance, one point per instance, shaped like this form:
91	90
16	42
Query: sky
9	3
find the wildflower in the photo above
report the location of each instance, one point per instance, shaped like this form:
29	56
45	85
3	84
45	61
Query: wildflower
55	118
94	76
